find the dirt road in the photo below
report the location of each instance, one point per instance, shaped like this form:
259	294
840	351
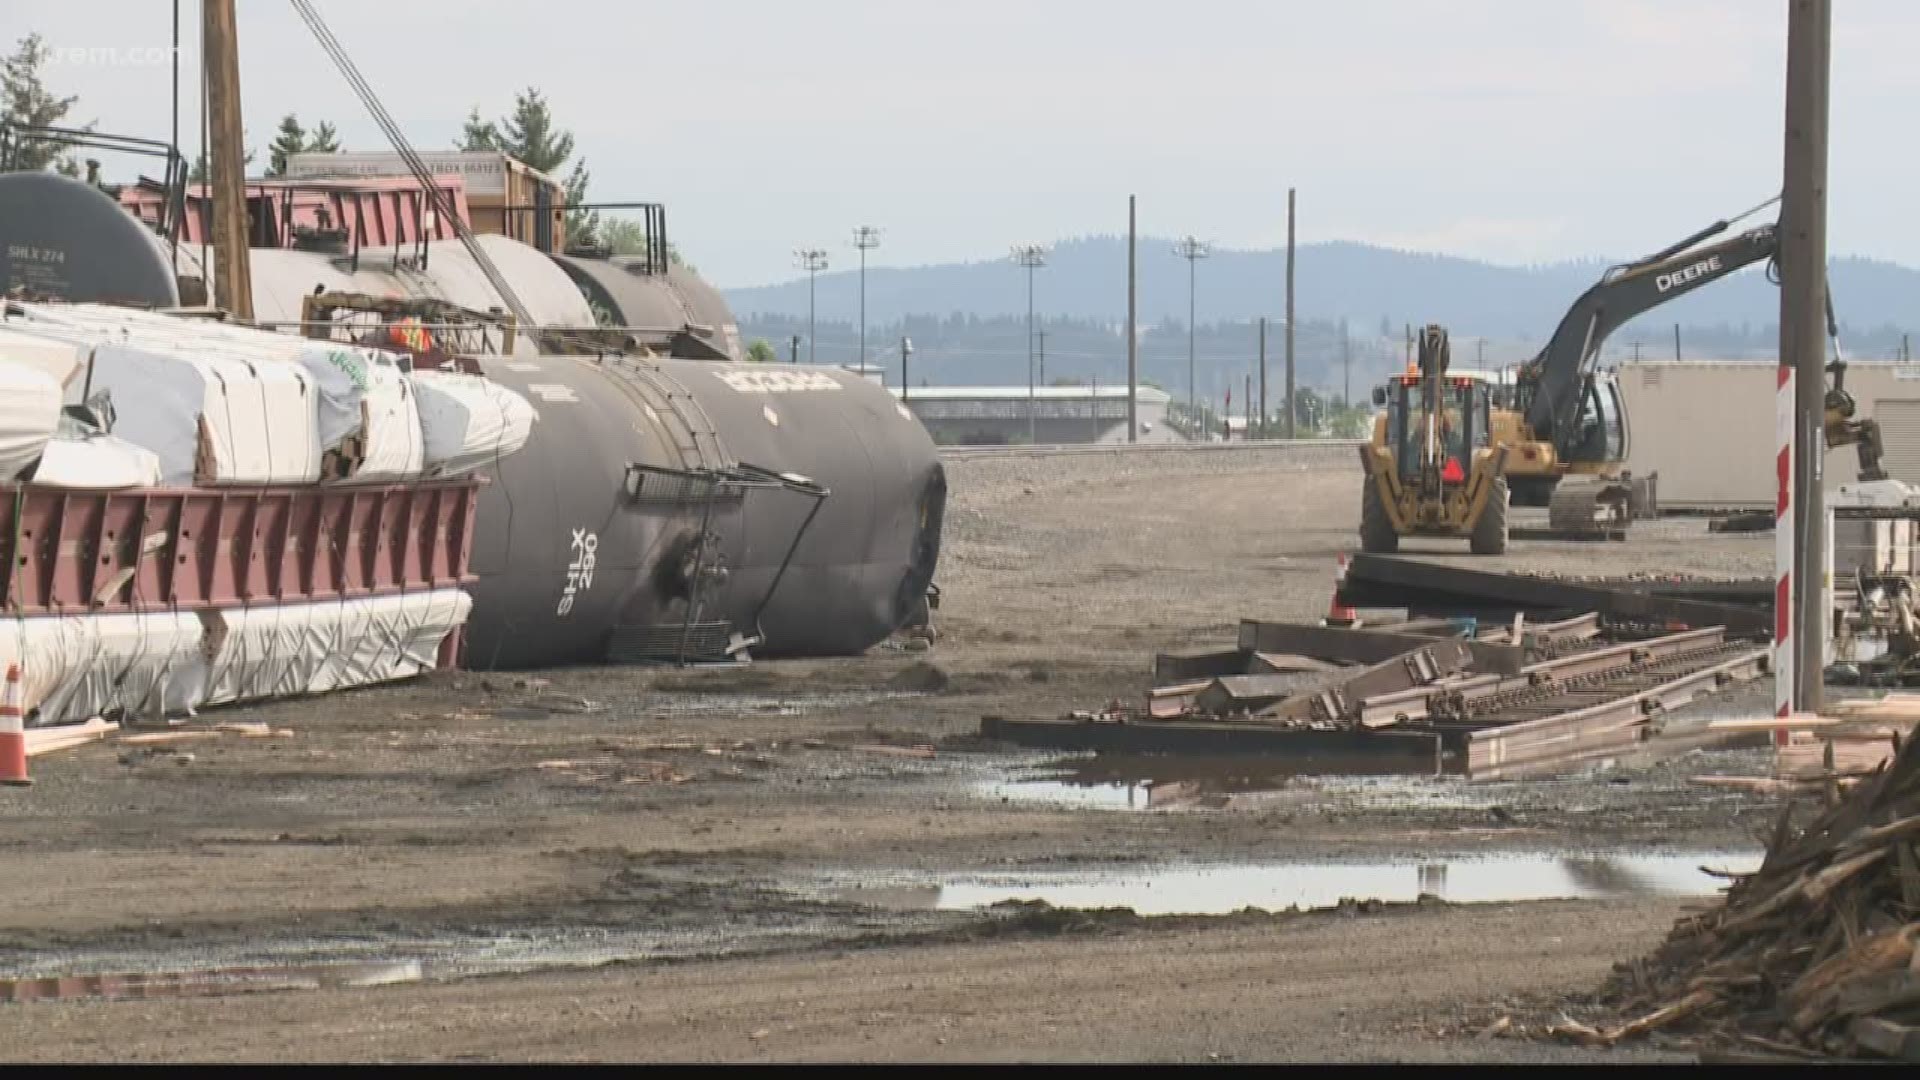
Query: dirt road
501	823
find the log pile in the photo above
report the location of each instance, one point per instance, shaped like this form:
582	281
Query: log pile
1812	955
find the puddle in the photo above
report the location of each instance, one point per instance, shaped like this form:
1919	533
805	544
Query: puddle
313	964
772	704
1218	890
208	982
1173	782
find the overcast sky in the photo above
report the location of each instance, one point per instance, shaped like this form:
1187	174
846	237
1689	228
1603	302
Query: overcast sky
1511	130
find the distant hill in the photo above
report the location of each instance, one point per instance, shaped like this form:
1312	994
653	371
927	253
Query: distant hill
1374	288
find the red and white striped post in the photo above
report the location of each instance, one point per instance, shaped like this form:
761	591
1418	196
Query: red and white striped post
1783	542
13	735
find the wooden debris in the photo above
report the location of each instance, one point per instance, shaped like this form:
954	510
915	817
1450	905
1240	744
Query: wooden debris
922	751
1813	954
143	738
46	740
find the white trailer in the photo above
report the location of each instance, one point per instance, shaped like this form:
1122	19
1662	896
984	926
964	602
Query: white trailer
1706	427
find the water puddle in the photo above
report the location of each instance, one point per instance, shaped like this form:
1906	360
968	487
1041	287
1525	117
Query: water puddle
1218	890
1172	782
315	964
208	982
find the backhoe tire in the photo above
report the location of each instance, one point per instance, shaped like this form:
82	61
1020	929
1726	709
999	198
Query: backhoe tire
1376	528
1489	536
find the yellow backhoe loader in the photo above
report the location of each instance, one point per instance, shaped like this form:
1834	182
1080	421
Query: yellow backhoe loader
1431	467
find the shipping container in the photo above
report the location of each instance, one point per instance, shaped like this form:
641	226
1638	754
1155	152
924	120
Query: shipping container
1707	427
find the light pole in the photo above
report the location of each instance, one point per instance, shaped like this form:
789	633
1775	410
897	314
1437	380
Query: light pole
1193	251
1033	257
812	260
866	238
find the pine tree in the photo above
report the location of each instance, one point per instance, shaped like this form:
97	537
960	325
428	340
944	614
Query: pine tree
529	136
26	102
291	140
478	134
324	140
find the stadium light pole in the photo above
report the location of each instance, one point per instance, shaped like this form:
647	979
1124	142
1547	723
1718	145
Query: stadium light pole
1192	250
866	238
812	260
1033	257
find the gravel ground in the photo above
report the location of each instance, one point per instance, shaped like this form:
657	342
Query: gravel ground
455	820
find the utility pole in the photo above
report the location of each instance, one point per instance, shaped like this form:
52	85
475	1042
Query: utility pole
1093	404
1346	365
1263	376
1803	279
812	260
1291	420
1193	251
1033	257
906	350
1636	351
1133	330
1676	340
866	238
232	274
1247	407
796	348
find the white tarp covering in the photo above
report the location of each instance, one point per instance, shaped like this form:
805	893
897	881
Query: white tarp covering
62	358
469	422
29	413
213	419
77	666
364	392
292	649
148	665
96	463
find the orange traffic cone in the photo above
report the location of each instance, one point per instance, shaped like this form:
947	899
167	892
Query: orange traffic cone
13	733
1339	614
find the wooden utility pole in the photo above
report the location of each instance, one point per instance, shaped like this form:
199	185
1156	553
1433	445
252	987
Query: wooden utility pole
226	164
1263	377
1803	280
1292	419
1133	331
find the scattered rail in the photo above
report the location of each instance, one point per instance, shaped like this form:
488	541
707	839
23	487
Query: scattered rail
1340	448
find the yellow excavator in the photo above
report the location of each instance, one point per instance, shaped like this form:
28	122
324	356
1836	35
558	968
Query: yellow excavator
1563	422
1432	467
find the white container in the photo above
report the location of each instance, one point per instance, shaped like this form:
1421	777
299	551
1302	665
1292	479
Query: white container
96	463
29	413
1707	427
213	420
469	422
365	396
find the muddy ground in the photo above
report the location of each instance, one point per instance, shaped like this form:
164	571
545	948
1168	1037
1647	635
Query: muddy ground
754	856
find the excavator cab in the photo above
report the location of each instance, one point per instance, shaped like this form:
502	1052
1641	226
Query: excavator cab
1432	467
1457	423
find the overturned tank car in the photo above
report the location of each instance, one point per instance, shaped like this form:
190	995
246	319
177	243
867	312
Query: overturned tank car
673	510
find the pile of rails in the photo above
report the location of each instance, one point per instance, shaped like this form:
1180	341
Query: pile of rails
1438	695
196	513
1813	954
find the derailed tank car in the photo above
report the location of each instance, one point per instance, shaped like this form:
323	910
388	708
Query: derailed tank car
685	510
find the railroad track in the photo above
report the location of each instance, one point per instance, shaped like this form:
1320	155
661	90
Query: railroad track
1057	449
